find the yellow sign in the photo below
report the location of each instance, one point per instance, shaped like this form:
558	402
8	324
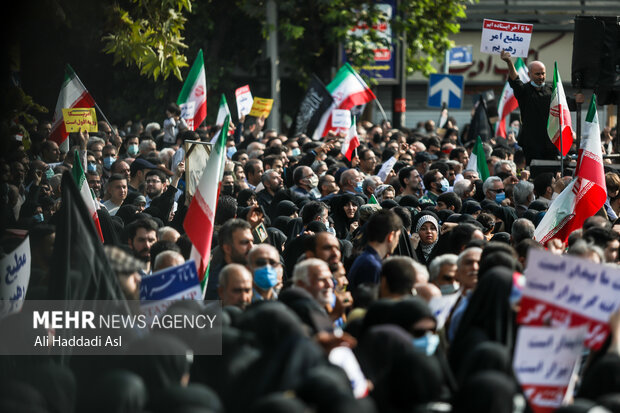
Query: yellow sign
261	107
79	119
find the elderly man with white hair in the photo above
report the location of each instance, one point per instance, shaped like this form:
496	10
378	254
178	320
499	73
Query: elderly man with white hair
493	189
314	276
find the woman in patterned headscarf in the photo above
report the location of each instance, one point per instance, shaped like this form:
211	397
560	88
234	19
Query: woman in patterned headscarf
427	227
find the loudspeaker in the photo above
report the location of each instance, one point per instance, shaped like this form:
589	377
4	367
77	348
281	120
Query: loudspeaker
596	54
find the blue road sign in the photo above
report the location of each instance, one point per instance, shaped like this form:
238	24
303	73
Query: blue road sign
446	89
461	56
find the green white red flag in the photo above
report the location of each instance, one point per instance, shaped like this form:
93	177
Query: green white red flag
222	112
87	195
559	121
351	142
507	101
73	94
193	96
200	218
586	193
478	161
348	89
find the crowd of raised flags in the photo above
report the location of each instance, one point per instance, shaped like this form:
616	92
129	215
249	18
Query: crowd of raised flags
438	184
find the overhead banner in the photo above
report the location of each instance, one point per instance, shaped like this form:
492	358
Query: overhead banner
567	291
383	68
513	37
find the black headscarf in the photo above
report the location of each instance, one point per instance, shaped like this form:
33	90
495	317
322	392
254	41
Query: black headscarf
244	196
487	356
409	311
601	378
488	317
194	396
18	396
378	347
118	391
470	207
486	392
323	385
165	363
342	224
56	383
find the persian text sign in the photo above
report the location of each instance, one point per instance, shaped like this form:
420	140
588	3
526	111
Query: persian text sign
15	272
544	362
512	37
341	118
244	100
79	119
174	283
567	291
261	107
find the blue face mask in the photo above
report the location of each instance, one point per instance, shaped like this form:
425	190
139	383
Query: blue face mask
231	151
132	150
265	277
500	197
108	161
38	218
296	152
91	167
448	289
49	172
444	185
536	85
358	187
426	344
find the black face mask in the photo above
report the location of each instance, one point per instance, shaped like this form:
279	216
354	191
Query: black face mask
499	227
228	190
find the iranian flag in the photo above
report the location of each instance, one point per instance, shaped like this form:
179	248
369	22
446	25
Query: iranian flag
199	221
586	193
87	195
478	161
193	96
348	89
351	142
222	113
507	101
73	94
559	122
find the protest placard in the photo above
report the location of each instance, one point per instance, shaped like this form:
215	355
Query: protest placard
80	119
562	290
244	100
441	307
512	37
544	362
341	118
15	277
261	107
174	283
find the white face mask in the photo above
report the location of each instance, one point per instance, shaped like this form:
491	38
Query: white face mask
554	196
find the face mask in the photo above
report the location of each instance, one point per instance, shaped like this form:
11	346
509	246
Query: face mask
535	84
228	190
108	161
554	196
331	231
49	173
38	218
500	197
448	289
132	150
265	277
231	151
358	187
322	174
296	152
426	344
313	181
444	185
91	167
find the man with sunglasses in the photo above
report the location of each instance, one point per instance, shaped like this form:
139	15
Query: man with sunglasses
266	268
493	189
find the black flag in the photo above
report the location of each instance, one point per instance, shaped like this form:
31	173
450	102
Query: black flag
480	124
315	103
80	269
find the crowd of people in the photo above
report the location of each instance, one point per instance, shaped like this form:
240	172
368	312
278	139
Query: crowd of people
311	252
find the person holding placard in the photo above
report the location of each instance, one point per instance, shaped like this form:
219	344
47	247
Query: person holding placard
534	100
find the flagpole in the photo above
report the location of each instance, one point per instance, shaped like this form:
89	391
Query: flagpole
381	109
96	105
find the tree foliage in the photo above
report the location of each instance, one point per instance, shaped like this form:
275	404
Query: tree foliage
150	36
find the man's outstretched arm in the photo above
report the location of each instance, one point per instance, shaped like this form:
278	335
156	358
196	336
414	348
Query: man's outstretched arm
512	72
